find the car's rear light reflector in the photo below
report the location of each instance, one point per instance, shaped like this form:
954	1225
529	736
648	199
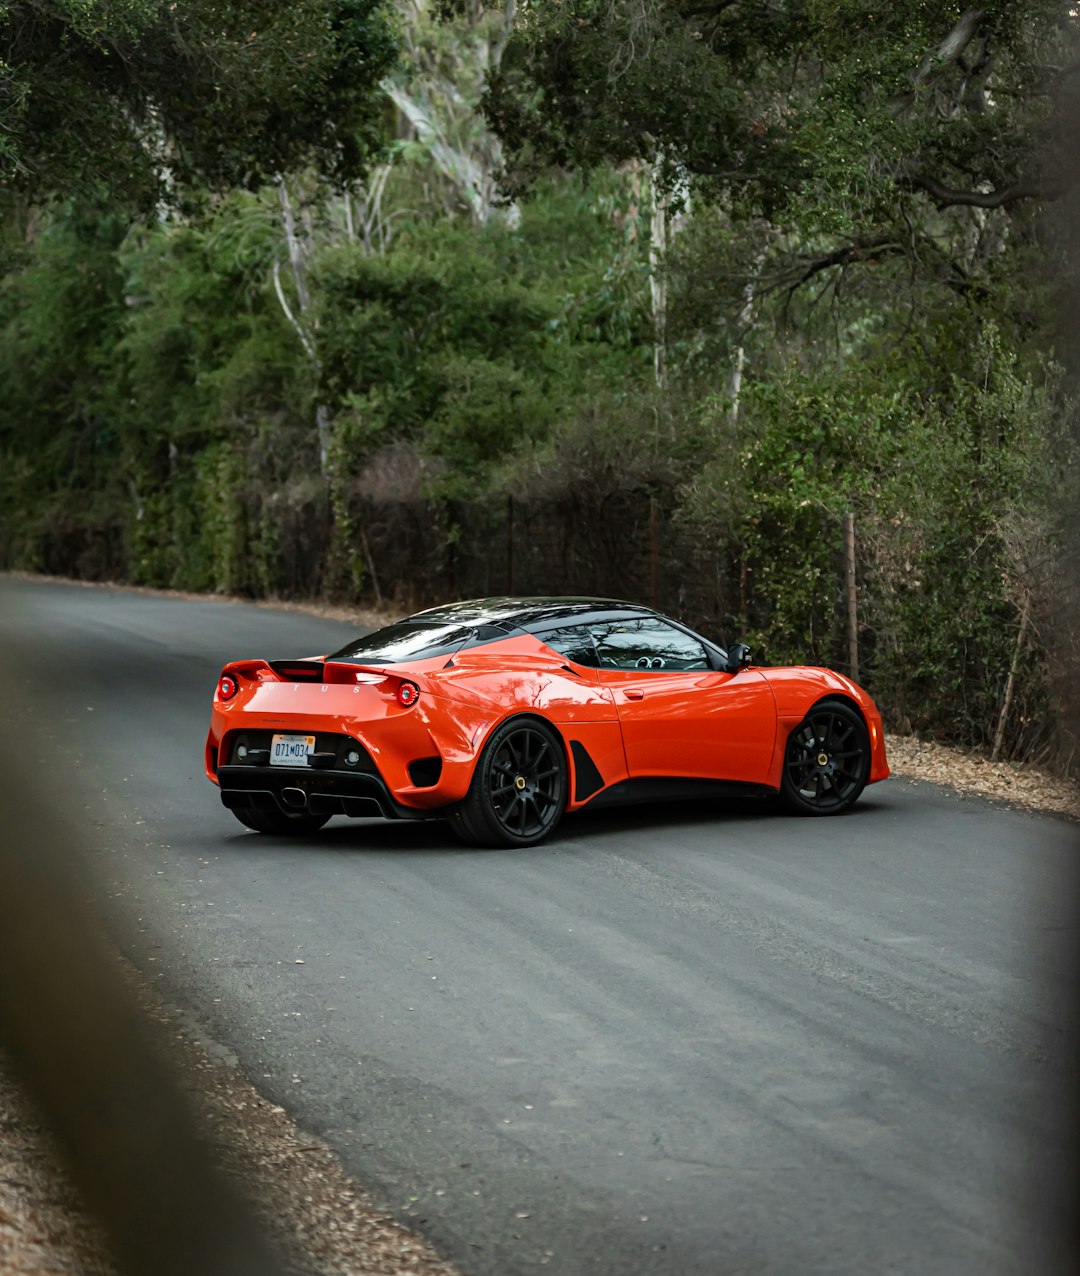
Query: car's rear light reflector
227	687
408	693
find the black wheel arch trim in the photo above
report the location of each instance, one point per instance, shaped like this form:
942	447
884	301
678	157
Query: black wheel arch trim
524	716
835	697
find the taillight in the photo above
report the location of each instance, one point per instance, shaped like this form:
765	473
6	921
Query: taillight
407	693
227	687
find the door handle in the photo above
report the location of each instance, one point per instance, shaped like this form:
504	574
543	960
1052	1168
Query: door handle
634	694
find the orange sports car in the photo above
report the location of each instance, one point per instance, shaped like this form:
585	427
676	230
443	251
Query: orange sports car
502	714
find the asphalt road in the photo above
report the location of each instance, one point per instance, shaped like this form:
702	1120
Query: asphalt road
672	1040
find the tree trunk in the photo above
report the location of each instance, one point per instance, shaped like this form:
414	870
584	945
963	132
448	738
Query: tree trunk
745	322
298	251
1010	685
658	273
297	254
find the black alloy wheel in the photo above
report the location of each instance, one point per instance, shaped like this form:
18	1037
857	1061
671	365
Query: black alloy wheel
270	820
518	790
827	762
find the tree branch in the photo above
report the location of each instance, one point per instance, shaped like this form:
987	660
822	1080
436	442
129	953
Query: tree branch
948	196
953	45
950	50
801	272
296	326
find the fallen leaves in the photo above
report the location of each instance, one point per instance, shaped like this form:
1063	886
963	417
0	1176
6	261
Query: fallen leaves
969	773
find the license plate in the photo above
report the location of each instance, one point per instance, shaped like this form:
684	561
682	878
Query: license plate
291	750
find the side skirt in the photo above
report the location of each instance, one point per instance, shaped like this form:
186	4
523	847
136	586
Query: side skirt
672	789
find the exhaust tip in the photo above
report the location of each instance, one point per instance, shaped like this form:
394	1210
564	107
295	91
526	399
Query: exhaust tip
296	798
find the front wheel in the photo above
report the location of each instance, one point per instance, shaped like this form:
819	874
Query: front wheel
518	790
827	762
267	819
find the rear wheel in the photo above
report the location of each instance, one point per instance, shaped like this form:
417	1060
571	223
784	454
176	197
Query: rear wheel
827	762
463	829
270	820
518	790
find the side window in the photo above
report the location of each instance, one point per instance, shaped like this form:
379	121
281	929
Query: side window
646	644
574	642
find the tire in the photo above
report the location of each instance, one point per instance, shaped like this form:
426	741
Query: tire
827	761
270	820
462	829
518	790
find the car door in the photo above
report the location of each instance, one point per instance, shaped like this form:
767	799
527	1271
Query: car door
679	716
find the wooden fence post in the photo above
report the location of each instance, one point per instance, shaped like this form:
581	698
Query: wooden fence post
510	565
852	597
654	553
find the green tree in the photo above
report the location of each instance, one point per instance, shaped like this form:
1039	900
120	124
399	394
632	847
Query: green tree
143	95
778	102
859	136
61	317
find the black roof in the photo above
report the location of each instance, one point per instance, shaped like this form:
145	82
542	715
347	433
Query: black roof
445	630
523	613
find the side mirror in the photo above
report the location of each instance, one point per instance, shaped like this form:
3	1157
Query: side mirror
738	657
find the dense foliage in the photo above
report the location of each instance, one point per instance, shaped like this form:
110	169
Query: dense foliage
637	296
139	95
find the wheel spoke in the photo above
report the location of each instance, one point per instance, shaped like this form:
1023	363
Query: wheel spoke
826	761
826	736
528	757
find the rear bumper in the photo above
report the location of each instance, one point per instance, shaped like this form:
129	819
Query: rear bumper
323	792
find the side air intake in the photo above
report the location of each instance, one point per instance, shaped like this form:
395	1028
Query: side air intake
587	779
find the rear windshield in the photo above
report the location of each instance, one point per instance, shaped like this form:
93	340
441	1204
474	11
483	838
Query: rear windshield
414	640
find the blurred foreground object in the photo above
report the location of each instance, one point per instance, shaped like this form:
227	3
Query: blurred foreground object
87	1057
